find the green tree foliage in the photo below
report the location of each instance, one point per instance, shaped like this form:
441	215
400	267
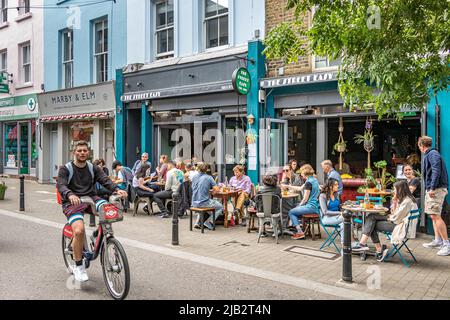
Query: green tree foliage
394	52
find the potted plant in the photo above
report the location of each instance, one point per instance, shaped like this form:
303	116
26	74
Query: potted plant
3	188
370	181
385	177
367	139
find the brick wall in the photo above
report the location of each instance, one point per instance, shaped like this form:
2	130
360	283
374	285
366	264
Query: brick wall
276	13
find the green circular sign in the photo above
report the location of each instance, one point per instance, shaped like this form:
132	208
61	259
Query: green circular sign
241	81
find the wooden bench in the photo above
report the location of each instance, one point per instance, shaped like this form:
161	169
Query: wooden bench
202	212
308	225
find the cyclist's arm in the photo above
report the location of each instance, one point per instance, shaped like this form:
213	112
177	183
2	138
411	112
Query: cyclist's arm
62	183
104	180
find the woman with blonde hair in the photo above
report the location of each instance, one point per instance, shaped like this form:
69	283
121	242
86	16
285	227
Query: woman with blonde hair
309	203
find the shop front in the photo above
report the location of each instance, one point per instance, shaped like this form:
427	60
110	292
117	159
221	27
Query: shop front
18	129
67	116
318	127
187	110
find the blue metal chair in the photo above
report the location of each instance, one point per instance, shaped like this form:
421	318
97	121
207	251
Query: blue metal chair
331	237
413	215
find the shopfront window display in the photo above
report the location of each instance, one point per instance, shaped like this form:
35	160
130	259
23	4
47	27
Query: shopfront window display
81	130
11	151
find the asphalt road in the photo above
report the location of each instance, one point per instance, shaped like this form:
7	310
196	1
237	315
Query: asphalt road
32	267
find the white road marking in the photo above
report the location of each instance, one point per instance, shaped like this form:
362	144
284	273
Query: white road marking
229	266
46	192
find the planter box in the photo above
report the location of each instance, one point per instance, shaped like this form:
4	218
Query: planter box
2	193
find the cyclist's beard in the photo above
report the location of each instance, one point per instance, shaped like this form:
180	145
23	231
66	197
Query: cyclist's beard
80	160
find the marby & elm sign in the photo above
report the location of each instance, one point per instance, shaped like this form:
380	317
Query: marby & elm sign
93	98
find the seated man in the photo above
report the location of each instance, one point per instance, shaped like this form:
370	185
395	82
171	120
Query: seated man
202	183
124	175
174	179
139	163
75	180
293	182
243	185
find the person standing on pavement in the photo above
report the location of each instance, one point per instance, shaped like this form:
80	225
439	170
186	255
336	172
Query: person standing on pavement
175	178
202	183
435	178
331	173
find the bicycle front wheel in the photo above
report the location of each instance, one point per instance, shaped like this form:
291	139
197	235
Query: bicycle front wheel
116	271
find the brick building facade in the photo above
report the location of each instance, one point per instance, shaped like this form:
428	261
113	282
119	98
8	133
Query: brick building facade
277	13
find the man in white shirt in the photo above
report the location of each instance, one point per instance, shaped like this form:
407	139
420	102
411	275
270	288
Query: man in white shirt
174	178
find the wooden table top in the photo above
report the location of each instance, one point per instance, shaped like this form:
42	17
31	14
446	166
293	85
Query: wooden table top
290	195
361	209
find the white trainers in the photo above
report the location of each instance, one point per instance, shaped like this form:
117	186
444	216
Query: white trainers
445	251
79	272
433	244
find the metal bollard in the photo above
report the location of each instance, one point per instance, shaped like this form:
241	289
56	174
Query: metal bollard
175	203
347	248
22	193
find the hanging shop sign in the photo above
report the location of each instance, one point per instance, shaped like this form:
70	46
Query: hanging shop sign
242	81
4	82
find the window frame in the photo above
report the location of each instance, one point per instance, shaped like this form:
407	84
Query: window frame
326	68
23	65
216	16
24	7
166	54
64	62
104	21
3	11
4	53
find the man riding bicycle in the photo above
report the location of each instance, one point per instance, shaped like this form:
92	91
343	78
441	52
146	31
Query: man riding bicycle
75	180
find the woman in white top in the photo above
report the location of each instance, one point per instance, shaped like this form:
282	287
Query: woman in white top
403	203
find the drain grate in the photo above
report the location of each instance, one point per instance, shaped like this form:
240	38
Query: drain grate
312	252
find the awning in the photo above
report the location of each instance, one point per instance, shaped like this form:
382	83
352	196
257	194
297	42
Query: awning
72	117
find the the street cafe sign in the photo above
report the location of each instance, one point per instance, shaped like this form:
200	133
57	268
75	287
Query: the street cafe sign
298	80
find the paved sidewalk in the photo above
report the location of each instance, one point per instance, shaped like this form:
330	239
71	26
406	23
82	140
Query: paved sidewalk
234	248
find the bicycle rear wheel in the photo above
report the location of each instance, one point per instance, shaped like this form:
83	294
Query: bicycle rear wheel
116	271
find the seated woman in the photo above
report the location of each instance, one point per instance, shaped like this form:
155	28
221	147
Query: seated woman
270	187
143	190
309	203
330	206
402	204
413	182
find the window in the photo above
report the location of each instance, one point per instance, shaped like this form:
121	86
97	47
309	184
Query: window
67	59
101	50
24	7
216	21
3	61
164	29
4	11
25	63
322	62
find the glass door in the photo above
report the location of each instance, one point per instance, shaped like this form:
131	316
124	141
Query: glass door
24	164
273	144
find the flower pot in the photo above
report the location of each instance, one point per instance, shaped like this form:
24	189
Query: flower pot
2	192
341	148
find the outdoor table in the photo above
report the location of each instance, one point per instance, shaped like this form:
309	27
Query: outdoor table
225	196
359	209
290	195
380	193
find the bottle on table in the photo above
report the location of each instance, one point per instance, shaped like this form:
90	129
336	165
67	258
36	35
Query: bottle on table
366	200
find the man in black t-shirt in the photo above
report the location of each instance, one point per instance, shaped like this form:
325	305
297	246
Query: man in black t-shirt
75	180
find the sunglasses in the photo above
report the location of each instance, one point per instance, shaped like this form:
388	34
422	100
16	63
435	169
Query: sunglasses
286	170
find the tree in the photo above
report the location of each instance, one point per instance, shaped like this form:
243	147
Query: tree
393	52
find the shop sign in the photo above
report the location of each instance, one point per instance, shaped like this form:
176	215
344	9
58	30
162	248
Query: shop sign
7	102
241	81
94	98
4	87
297	80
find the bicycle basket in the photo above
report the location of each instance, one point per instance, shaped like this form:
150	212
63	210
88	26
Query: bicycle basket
109	213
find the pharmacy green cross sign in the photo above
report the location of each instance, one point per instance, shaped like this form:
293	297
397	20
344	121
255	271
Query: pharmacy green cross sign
4	87
241	81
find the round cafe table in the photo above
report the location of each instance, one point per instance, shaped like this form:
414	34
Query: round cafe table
360	209
290	195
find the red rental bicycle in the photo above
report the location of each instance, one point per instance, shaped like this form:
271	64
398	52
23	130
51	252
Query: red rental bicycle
116	271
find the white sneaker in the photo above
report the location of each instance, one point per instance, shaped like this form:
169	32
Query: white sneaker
445	251
433	244
79	272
